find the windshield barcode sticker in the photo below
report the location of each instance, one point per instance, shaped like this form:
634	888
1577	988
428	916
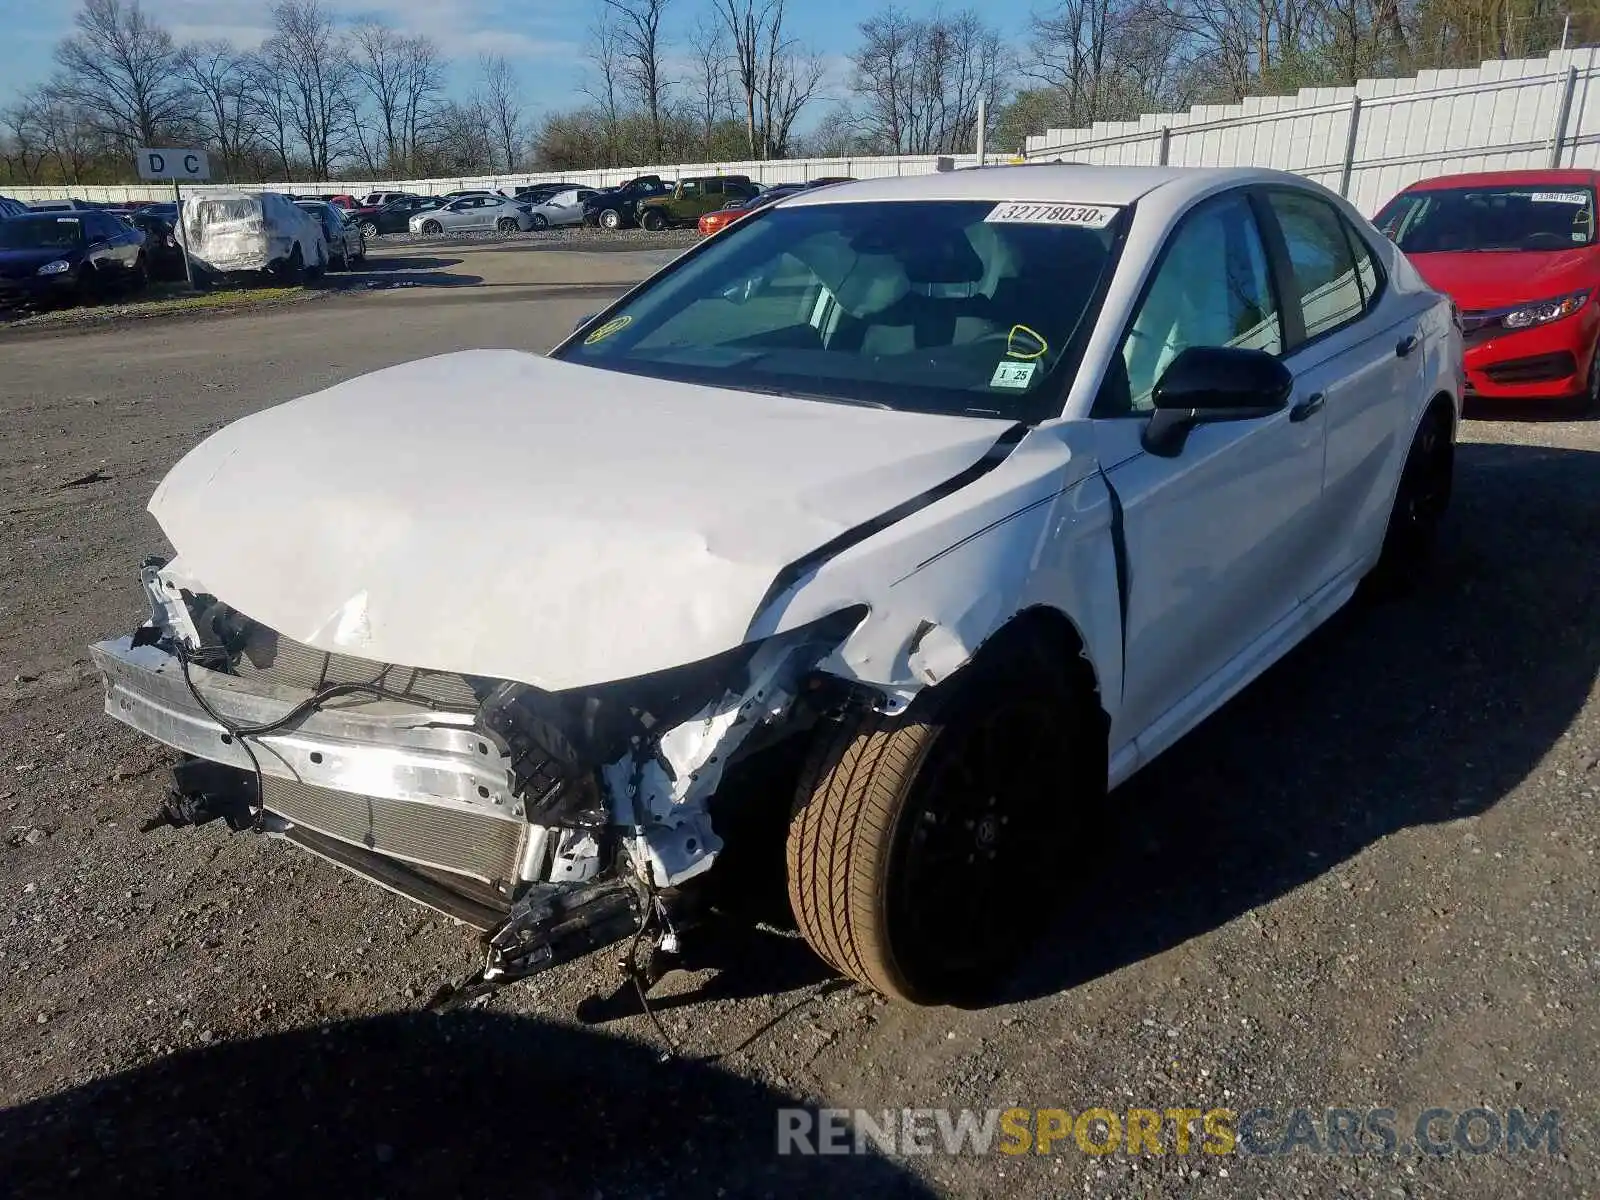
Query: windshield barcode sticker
1087	216
1560	197
1013	374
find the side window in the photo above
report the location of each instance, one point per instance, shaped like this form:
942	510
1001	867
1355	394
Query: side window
690	188
1368	273
713	187
1211	288
1320	261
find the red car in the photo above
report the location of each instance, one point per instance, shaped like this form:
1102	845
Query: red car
1516	251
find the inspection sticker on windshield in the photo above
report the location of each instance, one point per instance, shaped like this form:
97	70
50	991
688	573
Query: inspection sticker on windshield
1088	216
1560	197
1013	374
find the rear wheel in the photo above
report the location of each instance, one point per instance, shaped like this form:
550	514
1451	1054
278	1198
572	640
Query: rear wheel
506	225
369	229
610	218
1420	502
540	221
917	841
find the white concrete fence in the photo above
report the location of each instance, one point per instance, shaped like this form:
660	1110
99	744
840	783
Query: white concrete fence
1371	140
1366	141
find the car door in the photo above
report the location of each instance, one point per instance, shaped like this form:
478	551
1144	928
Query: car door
1214	538
1358	357
104	252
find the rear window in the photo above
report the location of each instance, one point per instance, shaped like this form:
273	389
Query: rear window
953	307
1521	217
208	212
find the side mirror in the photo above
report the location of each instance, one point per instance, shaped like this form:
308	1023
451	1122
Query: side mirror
1213	383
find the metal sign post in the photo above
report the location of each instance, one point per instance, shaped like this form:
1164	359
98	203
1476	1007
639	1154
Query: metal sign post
176	165
177	235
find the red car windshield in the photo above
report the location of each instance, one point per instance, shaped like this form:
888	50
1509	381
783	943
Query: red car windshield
1504	217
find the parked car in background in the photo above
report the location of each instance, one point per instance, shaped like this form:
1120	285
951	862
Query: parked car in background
618	207
1517	252
464	192
163	256
474	213
558	208
69	258
379	199
12	208
723	217
395	216
236	233
364	215
346	245
538	193
62	206
692	198
338	199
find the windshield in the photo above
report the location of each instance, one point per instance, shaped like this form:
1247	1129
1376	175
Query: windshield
1530	217
41	233
935	306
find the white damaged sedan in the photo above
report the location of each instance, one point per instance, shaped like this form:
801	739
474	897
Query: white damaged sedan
949	502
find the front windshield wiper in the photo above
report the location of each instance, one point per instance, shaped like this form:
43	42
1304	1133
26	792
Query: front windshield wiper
793	395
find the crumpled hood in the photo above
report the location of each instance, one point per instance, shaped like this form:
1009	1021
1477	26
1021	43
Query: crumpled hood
499	513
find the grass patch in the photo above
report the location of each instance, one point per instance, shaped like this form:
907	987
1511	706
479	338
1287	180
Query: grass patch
159	299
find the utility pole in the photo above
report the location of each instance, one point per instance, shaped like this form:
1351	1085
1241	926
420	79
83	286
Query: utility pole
983	124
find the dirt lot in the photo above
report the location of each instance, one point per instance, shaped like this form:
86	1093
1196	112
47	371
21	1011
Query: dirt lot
1371	882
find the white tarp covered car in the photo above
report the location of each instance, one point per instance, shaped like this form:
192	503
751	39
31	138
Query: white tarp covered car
229	233
949	501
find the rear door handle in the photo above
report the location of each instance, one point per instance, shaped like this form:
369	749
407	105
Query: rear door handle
1310	406
1406	345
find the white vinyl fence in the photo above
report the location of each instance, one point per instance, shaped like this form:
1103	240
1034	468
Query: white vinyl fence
1370	141
782	170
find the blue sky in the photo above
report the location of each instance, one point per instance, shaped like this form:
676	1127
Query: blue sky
543	39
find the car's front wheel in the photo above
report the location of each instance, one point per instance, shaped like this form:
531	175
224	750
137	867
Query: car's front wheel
432	227
653	221
507	225
918	840
610	219
369	230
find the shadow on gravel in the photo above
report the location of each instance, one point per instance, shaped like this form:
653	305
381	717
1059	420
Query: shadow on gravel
1410	712
472	1105
412	271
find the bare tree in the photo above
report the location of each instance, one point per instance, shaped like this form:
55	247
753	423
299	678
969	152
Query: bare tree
312	60
272	105
120	70
501	102
775	78
708	47
219	77
919	81
636	25
23	148
606	88
378	70
422	91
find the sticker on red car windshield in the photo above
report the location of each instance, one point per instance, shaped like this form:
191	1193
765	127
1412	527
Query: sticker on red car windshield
1086	216
1560	197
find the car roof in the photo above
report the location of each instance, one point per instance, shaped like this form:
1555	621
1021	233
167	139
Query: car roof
1556	176
1065	183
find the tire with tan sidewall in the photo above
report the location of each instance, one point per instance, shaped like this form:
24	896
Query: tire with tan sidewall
875	785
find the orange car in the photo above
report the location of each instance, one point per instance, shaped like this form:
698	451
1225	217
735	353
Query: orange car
721	218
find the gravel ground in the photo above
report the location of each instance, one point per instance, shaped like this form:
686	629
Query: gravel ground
1370	882
582	237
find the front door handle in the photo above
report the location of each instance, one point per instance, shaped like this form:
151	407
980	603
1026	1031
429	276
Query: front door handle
1310	406
1406	345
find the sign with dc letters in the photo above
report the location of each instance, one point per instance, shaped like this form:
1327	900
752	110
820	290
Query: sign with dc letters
185	166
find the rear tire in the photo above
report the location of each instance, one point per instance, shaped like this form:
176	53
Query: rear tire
369	230
1420	502
610	218
916	841
293	272
540	221
507	225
